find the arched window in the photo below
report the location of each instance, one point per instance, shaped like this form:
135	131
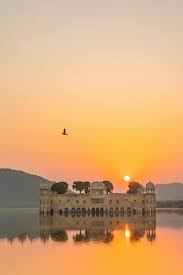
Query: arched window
134	212
102	209
128	210
150	211
122	211
93	212
83	210
66	210
97	212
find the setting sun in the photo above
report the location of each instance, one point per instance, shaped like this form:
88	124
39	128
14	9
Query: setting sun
127	178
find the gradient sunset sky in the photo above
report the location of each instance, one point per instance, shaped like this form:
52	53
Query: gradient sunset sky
111	72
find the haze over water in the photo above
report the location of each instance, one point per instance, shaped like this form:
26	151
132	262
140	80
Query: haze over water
48	245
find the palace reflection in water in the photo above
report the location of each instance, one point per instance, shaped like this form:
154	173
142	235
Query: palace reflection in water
97	229
79	228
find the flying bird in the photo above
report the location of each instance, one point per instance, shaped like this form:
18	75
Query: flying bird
64	132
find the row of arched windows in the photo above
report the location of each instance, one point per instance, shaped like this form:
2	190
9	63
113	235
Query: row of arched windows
101	210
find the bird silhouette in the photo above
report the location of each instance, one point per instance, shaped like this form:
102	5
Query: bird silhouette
64	132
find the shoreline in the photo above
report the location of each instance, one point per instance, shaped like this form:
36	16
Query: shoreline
169	209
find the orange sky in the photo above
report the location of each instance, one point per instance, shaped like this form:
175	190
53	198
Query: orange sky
110	72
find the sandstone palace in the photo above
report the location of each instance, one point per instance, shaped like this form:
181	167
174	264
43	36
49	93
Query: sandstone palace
98	202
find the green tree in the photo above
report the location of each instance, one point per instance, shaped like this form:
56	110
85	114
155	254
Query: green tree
78	186
134	187
109	186
59	187
86	186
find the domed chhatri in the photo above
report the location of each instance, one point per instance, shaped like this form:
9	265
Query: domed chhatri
150	187
97	188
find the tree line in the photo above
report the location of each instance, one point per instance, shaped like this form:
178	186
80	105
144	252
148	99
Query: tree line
83	187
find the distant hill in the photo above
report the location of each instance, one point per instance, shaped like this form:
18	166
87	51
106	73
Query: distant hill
19	189
171	191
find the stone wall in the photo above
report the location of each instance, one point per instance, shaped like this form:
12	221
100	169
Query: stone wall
95	203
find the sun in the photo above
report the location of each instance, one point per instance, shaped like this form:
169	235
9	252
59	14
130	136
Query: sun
127	178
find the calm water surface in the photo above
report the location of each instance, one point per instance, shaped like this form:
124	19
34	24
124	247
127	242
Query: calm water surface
42	245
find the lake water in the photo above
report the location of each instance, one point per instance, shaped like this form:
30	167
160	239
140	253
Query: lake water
43	245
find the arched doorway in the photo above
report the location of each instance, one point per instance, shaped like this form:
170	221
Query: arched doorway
122	211
93	212
102	211
97	212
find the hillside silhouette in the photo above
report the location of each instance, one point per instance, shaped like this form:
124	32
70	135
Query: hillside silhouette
170	191
19	189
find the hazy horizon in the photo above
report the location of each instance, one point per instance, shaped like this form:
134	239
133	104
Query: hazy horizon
110	72
70	182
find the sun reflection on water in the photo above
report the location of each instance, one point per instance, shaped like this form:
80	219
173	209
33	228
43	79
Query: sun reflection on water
127	232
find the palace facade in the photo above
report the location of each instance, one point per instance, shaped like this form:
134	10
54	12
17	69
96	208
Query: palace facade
97	202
